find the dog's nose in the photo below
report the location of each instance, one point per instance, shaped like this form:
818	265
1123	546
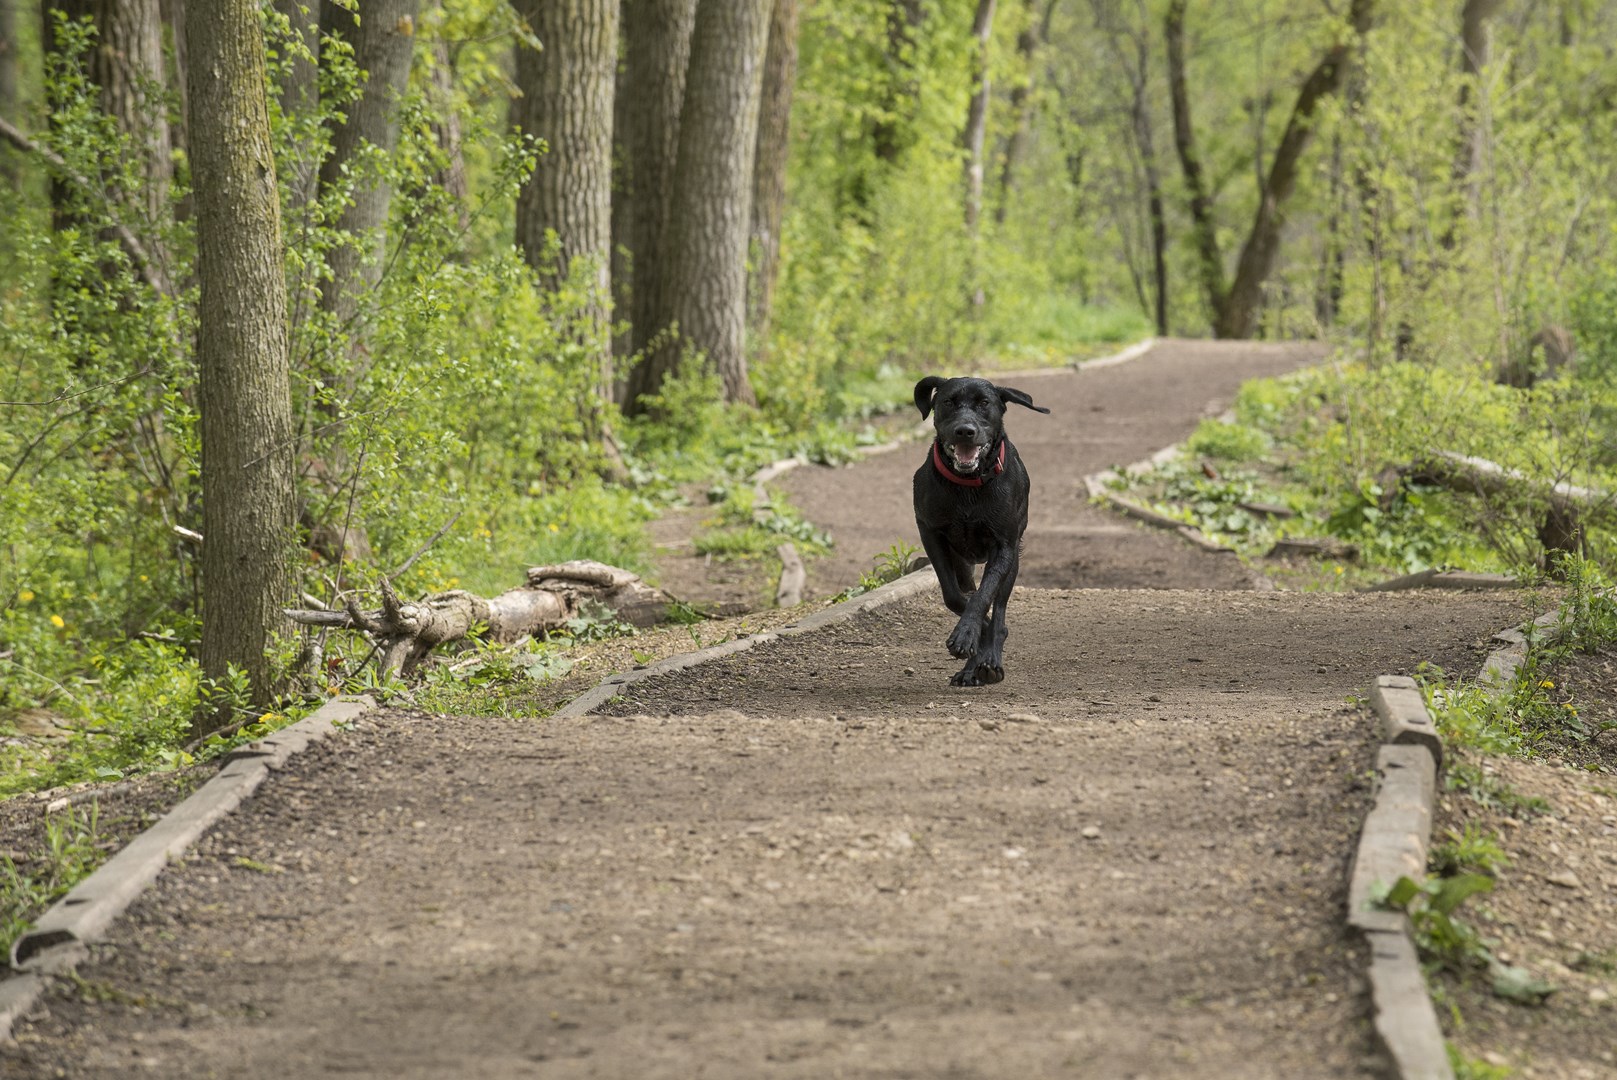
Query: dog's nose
966	433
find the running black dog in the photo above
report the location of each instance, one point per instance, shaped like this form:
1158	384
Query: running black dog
971	507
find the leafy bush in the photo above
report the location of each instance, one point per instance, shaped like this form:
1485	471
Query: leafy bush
1228	442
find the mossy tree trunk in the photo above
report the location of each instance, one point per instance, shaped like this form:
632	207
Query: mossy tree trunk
244	389
769	161
567	92
657	46
382	40
704	279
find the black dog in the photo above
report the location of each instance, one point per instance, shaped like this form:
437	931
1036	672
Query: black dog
971	507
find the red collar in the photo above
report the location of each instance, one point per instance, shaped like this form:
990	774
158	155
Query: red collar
949	474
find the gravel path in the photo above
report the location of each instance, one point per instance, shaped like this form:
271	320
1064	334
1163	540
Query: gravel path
812	859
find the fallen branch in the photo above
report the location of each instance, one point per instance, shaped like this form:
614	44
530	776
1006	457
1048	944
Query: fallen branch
405	632
1566	505
793	576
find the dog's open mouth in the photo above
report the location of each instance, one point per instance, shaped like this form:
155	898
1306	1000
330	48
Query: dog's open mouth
965	457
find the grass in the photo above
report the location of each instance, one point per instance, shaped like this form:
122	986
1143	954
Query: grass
70	853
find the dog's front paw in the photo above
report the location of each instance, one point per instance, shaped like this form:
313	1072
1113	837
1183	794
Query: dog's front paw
965	639
974	674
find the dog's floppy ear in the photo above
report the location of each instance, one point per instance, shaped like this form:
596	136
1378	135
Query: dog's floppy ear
1007	395
923	394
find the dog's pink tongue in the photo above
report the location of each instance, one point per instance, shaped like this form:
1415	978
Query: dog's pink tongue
967	455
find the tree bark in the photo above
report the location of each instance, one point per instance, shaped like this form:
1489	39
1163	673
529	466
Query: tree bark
382	42
10	82
1155	208
769	161
1476	48
657	40
1209	261
982	29
567	90
244	387
889	135
1238	316
704	284
446	130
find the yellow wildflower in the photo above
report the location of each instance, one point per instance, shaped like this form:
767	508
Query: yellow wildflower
56	621
25	596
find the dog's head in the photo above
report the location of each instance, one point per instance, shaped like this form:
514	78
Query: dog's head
970	417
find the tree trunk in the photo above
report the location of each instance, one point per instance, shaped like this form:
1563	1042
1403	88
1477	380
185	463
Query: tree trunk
1238	316
446	130
1476	47
405	632
10	82
1028	43
704	283
982	29
1154	200
299	95
657	39
889	134
567	88
769	163
382	42
1209	261
244	387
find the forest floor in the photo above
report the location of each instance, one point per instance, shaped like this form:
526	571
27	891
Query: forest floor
815	858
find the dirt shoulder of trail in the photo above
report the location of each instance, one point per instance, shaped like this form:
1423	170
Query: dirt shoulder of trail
1553	908
812	858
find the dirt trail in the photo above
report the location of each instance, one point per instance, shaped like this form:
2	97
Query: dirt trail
811	859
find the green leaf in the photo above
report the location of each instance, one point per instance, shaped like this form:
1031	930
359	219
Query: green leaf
1398	895
1518	985
1451	893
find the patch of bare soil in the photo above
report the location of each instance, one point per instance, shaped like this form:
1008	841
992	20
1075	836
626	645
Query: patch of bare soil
810	859
1554	907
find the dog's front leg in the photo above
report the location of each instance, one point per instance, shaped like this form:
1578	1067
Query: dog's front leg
968	633
946	565
988	665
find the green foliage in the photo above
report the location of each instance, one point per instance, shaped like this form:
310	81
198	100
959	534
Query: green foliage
1444	939
1488	790
1228	442
1468	1068
1470	851
69	854
1449	942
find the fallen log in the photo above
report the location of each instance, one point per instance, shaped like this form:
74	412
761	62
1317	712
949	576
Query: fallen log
1566	505
404	632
